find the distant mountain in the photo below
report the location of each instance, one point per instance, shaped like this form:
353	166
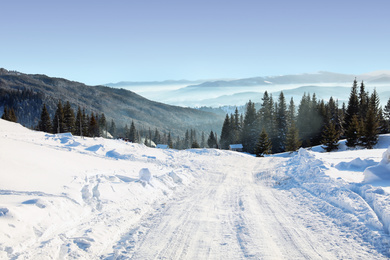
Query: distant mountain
122	84
119	104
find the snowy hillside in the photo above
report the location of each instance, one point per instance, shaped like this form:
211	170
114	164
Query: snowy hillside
66	197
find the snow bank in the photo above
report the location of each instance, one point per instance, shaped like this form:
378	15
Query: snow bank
380	171
356	164
361	207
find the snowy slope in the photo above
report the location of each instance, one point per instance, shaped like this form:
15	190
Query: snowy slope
66	197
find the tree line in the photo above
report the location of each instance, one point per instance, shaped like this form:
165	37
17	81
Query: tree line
278	127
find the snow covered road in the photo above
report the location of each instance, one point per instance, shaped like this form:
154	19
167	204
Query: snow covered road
66	197
234	215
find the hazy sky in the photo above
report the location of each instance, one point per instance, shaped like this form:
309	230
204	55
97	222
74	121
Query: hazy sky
97	42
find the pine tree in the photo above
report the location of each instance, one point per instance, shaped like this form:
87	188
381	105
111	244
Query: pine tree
45	122
79	123
58	120
85	124
103	125
353	132
363	101
292	138
371	126
203	141
353	105
226	133
281	124
170	143
69	121
330	137
133	133
93	126
113	128
249	129
263	145
212	141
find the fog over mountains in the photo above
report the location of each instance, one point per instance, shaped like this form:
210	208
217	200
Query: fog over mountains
237	92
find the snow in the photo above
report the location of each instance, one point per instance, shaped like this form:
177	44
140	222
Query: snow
67	197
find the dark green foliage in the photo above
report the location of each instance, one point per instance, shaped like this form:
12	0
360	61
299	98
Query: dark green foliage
226	133
93	126
195	145
292	138
353	132
113	129
330	137
371	126
58	120
249	130
212	141
45	122
170	143
69	121
133	137
263	145
9	115
353	105
309	121
79	123
281	124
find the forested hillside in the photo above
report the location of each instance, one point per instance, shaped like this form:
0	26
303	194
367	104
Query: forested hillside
26	94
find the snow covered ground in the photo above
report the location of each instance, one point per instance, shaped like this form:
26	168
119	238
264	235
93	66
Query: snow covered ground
66	197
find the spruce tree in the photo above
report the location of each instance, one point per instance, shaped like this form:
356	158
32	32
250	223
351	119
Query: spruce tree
93	126
45	122
353	132
113	129
69	121
371	126
263	145
211	141
353	105
292	138
170	143
249	130
281	124
103	125
79	123
330	137
203	141
58	120
226	133
133	133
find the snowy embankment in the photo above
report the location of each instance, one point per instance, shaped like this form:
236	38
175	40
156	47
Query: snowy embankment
358	205
66	197
62	195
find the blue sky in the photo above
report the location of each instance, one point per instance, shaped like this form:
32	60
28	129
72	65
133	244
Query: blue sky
98	42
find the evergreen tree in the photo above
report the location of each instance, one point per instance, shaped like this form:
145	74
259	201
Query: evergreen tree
187	140
249	129
203	141
85	124
281	124
113	128
386	111
226	133
133	133
236	128
103	125
353	105
292	138
170	143
195	145
79	123
363	101
263	145
212	141
58	120
45	122
353	132
371	126
157	137
93	126
330	137
69	121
